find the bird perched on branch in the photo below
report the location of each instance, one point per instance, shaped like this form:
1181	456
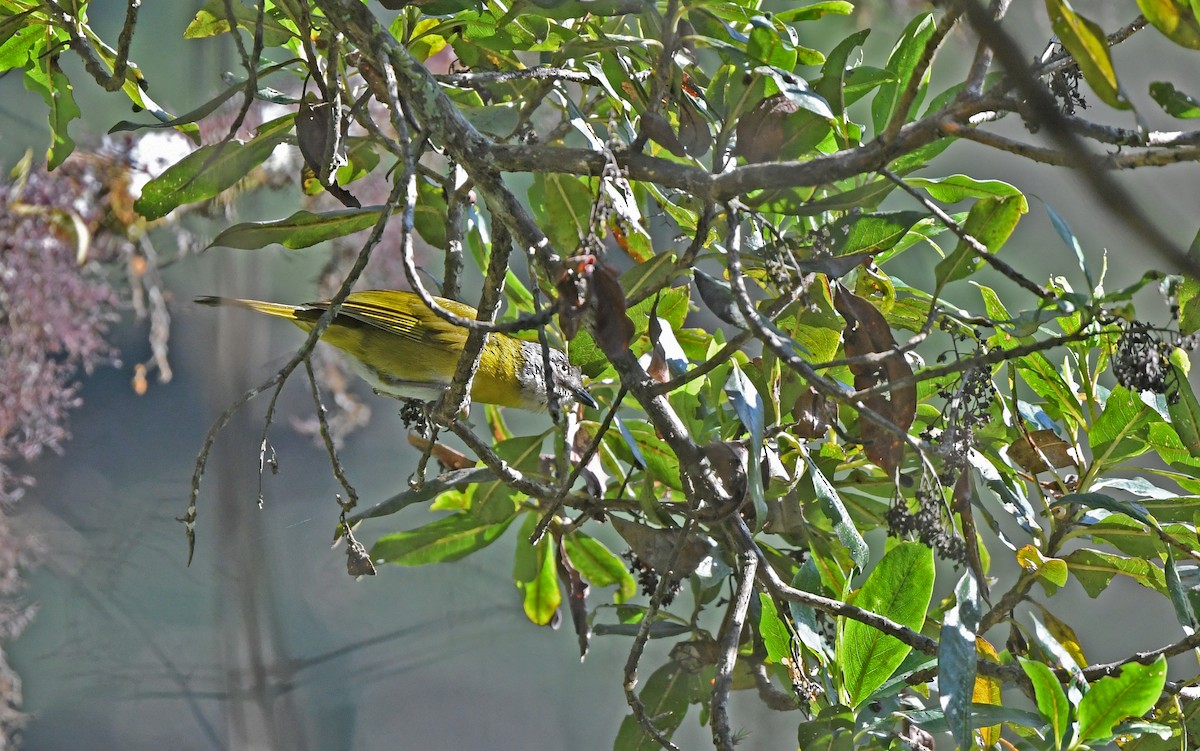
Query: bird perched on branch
404	349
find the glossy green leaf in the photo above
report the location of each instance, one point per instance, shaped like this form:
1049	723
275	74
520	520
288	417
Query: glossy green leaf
774	633
207	171
535	572
833	74
843	526
1176	19
1086	42
872	233
1051	699
990	221
1184	410
903	64
665	697
900	588
1173	101
300	230
598	565
955	188
1113	698
447	539
1095	571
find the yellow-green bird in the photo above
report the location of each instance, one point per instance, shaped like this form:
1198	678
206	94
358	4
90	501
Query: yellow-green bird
401	347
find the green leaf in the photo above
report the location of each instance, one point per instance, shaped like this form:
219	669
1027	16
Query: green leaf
833	73
562	205
43	76
899	588
774	633
429	213
598	565
1051	699
1088	45
1175	19
903	64
207	171
1185	412
1113	698
957	659
212	20
843	526
666	697
955	188
1182	598
872	233
447	539
768	45
535	572
1173	101
300	230
1095	571
804	617
990	221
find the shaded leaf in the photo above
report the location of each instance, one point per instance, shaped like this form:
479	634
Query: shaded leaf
867	333
990	221
1173	101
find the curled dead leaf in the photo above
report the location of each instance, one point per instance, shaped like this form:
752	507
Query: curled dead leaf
867	333
1042	450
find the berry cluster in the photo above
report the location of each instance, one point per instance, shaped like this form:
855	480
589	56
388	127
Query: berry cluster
648	578
1142	360
925	524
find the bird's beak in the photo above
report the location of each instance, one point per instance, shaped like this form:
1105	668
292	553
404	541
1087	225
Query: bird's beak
581	395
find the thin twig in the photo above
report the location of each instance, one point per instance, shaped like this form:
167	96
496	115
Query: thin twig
730	636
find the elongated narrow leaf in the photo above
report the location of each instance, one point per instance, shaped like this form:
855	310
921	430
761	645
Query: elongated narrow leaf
1087	43
598	565
1111	699
300	230
1173	101
833	73
899	588
665	698
990	221
1185	411
1051	699
207	171
957	659
843	526
447	539
955	188
903	64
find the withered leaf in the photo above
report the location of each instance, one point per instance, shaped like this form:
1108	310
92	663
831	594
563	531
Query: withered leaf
1041	450
654	546
577	592
313	123
867	333
694	134
446	456
761	132
614	331
813	413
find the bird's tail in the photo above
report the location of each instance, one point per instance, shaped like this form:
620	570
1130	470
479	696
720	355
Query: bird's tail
270	308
